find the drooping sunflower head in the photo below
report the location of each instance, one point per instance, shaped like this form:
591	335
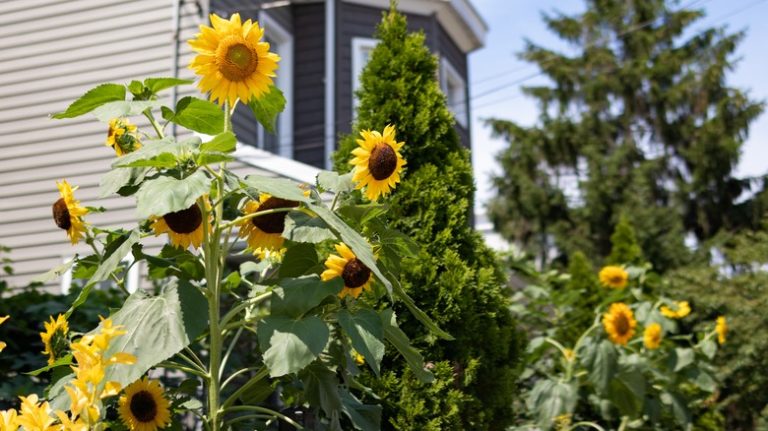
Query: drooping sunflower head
122	136
378	162
680	310
67	212
619	322
721	327
357	277
614	277
184	227
55	338
652	336
3	319
265	232
144	407
232	61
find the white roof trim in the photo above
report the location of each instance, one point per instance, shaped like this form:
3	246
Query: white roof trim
458	17
278	165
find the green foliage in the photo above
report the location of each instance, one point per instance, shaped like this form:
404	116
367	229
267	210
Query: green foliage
734	285
453	273
639	119
92	99
624	246
196	114
267	107
592	379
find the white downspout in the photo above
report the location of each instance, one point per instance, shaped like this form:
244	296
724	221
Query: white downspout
330	80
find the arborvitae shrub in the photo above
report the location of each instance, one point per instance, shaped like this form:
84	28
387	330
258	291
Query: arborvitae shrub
455	277
625	250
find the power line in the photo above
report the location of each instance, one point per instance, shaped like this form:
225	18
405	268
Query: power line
612	69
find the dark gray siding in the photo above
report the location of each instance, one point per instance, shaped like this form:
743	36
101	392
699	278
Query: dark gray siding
448	49
309	84
361	21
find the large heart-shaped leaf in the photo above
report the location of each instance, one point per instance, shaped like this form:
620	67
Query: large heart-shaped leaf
164	195
92	99
289	344
366	332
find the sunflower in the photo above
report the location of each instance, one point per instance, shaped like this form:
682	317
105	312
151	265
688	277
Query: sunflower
3	319
377	162
67	212
355	274
144	407
722	329
652	336
265	232
35	414
8	420
614	277
184	227
55	338
122	136
681	310
619	323
232	61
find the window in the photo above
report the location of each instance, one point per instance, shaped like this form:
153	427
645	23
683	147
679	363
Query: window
361	53
455	89
281	43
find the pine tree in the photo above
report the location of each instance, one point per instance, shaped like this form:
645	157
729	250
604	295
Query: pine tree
639	120
455	277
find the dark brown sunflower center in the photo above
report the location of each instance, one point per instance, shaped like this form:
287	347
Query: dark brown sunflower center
238	62
184	221
617	279
383	161
621	323
143	406
355	274
61	214
273	223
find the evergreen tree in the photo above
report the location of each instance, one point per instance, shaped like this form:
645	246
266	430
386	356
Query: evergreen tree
624	250
640	121
455	277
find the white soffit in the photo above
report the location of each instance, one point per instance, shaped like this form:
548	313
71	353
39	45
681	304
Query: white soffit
458	17
280	166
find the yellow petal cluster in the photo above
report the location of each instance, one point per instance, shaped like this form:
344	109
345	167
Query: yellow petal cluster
681	310
35	415
67	212
232	61
378	162
357	277
2	344
721	327
55	335
619	322
614	277
652	336
122	136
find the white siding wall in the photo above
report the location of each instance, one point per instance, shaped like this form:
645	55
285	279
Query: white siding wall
51	51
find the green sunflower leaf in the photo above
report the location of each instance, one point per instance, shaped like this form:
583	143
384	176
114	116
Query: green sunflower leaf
329	180
267	107
300	227
295	296
123	108
164	195
289	344
366	417
92	99
198	115
299	259
277	187
397	338
156	85
321	388
221	143
366	332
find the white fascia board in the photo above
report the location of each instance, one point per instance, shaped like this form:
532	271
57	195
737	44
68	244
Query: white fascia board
280	166
457	17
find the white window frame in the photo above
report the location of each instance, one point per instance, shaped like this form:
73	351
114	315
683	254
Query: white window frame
359	45
284	81
449	75
131	279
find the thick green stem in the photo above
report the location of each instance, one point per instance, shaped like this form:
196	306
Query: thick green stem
154	123
212	267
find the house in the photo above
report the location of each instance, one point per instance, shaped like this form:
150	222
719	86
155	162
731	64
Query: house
52	51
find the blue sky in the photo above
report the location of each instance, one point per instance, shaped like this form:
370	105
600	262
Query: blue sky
494	68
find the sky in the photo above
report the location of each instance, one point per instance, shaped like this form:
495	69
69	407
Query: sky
494	72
